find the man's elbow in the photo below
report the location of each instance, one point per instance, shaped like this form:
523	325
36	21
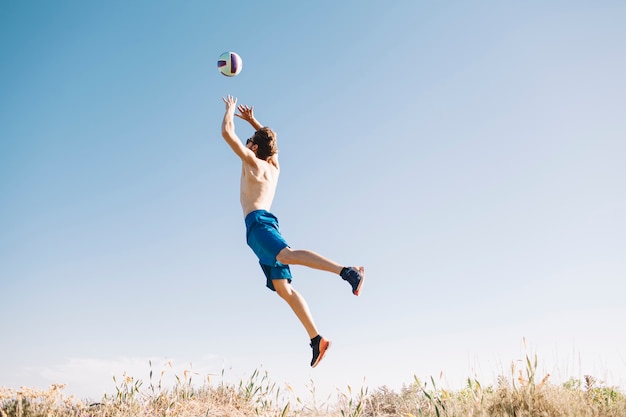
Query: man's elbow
227	132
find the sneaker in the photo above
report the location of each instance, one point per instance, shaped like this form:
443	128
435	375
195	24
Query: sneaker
355	277
319	350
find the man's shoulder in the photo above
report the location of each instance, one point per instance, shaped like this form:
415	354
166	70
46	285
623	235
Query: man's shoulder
269	163
273	161
261	165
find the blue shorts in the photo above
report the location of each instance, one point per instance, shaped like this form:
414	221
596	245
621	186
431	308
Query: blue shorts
263	237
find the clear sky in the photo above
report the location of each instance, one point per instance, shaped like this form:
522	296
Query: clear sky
470	154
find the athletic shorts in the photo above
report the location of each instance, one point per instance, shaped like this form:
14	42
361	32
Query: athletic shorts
264	238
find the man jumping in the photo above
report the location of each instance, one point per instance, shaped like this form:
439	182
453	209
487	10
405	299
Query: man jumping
259	178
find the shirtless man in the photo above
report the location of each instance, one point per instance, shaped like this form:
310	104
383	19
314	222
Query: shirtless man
259	177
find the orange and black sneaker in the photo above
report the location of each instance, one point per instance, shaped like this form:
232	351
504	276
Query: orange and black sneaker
354	276
320	346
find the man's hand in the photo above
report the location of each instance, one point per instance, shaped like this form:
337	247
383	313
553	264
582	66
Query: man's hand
231	103
245	112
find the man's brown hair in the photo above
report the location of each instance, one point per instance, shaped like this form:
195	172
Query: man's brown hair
265	138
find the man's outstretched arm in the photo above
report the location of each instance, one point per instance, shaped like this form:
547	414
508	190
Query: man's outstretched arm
229	135
247	113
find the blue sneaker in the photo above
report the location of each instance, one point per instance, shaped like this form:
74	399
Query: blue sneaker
355	277
319	350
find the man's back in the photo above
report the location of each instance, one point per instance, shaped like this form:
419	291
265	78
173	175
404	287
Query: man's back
258	184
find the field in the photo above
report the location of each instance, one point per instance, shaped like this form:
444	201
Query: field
520	394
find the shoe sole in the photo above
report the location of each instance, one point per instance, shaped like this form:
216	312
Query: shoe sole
324	346
358	288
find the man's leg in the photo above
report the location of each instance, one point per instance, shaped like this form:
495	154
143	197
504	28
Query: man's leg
300	307
354	275
288	256
297	304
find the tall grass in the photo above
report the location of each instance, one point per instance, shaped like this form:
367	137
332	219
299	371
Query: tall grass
522	393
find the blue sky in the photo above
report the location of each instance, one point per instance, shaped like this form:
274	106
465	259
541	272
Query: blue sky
469	154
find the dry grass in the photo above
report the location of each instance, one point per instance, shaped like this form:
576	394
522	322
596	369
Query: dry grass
521	394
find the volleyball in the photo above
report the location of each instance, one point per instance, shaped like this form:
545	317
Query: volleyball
229	64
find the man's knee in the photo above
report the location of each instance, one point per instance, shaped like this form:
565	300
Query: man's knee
282	287
285	256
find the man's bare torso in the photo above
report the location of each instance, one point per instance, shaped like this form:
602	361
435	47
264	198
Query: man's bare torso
258	185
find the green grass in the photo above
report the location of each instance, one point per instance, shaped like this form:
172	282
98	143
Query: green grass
523	393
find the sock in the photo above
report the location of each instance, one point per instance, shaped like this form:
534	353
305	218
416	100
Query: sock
344	270
316	340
